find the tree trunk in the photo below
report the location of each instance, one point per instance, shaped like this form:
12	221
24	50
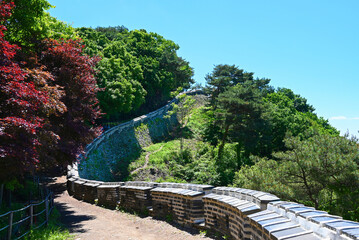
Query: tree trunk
181	140
221	147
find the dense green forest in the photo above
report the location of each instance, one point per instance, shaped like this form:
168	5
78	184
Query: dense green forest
59	84
137	72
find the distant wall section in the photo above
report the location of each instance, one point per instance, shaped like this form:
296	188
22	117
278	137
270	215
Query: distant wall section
108	156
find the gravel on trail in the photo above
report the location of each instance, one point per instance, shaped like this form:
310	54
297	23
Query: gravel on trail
90	222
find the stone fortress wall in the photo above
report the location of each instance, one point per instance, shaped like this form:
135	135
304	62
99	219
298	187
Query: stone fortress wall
235	212
103	157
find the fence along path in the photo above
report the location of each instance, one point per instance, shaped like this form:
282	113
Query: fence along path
27	218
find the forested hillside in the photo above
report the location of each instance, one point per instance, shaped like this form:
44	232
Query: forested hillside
59	83
59	86
254	136
137	72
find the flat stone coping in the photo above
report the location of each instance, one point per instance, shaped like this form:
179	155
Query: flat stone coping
245	194
322	223
91	184
189	186
106	186
325	219
300	210
242	205
280	227
136	188
113	183
351	233
141	184
80	181
291	233
290	205
340	225
178	191
72	179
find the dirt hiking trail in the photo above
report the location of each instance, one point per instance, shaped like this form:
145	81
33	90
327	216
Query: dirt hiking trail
89	222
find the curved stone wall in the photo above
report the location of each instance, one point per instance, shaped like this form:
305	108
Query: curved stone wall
235	212
109	155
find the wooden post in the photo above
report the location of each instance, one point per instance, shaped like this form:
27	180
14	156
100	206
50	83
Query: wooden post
31	215
1	193
9	233
47	210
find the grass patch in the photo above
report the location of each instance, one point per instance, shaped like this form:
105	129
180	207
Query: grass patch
54	230
194	164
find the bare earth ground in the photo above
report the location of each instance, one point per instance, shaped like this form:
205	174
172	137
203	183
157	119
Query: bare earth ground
90	222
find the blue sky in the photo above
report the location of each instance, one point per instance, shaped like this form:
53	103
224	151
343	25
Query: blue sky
311	47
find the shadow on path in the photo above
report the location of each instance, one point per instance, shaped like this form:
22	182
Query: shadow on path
72	221
70	218
90	222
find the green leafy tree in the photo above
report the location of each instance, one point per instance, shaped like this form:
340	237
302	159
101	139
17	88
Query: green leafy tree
181	110
286	116
138	71
120	76
223	77
163	70
30	23
240	113
113	33
321	171
299	103
94	41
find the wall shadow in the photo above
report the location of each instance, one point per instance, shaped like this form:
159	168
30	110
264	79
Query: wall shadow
68	218
125	148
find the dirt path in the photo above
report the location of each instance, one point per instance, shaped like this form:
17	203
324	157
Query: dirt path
147	157
91	222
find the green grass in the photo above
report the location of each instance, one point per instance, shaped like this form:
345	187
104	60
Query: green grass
195	164
54	230
166	162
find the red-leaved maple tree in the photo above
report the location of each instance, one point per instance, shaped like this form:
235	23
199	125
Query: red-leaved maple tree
48	104
74	72
19	105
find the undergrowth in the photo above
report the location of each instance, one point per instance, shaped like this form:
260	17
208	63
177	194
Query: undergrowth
196	163
54	230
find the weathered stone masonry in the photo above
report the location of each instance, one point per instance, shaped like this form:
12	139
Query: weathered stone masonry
103	157
235	212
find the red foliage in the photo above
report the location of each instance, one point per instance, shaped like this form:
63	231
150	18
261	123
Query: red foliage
44	82
74	72
47	110
19	105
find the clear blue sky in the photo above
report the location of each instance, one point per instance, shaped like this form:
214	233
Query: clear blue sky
311	47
